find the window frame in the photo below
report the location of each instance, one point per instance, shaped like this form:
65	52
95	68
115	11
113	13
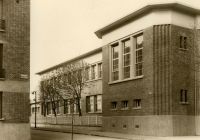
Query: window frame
183	40
124	54
137	56
115	71
133	51
93	72
183	96
137	103
92	104
100	69
113	105
124	105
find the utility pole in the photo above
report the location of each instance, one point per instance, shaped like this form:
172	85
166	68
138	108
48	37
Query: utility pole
34	92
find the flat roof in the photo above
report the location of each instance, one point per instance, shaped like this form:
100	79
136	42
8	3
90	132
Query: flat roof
175	6
71	60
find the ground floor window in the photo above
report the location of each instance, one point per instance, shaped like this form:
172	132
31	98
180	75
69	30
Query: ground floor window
94	103
124	104
113	105
48	108
137	103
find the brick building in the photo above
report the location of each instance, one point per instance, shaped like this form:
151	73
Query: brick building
14	69
91	98
150	71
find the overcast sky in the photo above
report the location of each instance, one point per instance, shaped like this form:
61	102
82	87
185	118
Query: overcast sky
63	29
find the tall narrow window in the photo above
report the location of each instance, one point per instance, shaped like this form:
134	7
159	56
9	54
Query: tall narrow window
93	72
137	103
126	58
76	106
91	103
65	106
183	42
139	55
87	70
68	106
1	100
183	96
48	108
100	70
88	104
115	62
99	103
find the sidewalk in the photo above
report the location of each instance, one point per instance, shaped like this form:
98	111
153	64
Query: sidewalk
114	134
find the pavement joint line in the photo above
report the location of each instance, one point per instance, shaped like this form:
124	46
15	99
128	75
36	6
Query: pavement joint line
54	130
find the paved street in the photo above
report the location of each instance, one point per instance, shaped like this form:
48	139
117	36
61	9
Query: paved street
48	135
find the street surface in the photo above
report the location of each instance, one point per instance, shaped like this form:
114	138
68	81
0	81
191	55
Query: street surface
48	135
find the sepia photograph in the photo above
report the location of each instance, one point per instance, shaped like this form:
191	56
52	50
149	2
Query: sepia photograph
99	70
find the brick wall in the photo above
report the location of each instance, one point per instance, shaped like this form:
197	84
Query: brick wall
132	89
16	107
16	38
183	71
16	60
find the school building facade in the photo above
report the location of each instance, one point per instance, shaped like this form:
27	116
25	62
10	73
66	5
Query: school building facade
91	98
150	75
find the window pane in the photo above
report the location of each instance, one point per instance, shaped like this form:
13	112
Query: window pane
93	71
127	72
115	75
99	102
99	70
87	70
115	51
139	55
127	60
126	46
88	104
115	65
139	41
91	103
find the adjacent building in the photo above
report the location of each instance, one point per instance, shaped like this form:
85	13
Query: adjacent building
14	69
150	64
91	98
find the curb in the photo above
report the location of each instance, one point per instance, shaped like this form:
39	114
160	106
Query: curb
85	133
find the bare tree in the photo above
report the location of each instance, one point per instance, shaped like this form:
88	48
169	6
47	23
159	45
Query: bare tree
65	83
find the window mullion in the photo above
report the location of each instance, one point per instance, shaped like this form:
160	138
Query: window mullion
120	61
132	59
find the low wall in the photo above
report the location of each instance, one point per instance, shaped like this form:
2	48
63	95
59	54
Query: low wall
94	120
155	125
197	122
14	131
